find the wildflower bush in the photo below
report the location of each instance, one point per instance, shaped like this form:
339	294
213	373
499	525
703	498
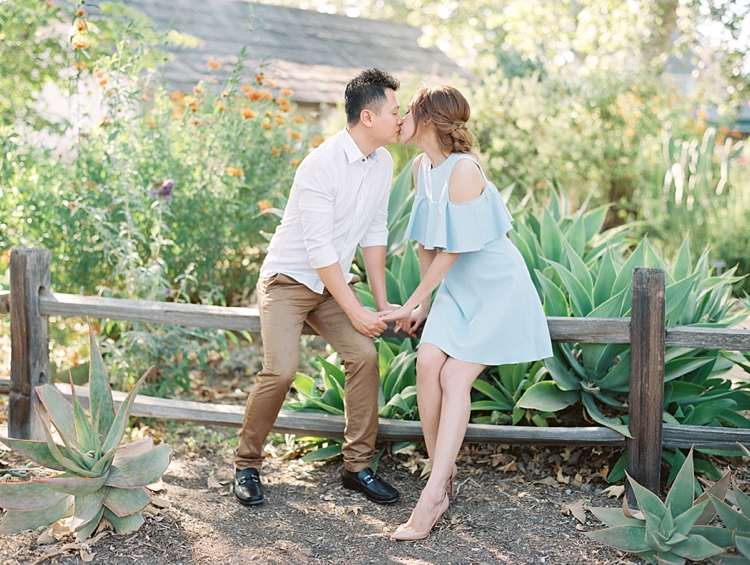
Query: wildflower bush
148	193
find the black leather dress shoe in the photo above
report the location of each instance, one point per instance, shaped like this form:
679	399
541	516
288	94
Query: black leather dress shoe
247	487
369	484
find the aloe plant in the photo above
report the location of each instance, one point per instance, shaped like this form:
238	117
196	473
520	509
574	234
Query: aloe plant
99	477
667	532
397	397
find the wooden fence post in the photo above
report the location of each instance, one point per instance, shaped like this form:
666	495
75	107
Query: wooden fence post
647	336
29	339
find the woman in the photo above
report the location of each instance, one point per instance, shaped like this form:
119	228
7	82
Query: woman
486	311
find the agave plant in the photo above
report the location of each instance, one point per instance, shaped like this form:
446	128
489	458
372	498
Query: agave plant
667	532
100	478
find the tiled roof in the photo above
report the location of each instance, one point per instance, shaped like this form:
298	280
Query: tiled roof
315	54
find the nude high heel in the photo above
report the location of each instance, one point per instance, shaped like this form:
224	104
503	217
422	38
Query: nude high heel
404	533
450	481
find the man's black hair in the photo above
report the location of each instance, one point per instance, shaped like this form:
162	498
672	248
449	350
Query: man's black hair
367	90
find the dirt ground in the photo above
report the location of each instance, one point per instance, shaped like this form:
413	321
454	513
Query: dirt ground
508	509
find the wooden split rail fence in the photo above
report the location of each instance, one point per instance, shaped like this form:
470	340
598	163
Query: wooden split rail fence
30	302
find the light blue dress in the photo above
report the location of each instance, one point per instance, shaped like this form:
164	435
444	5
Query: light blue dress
486	310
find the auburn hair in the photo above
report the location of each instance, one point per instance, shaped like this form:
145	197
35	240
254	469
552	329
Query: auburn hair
448	111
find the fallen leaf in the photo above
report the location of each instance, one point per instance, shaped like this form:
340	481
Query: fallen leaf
615	491
86	557
353	509
156	487
562	478
46	537
160	502
576	509
549	481
211	482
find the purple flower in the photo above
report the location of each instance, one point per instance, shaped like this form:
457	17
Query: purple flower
164	191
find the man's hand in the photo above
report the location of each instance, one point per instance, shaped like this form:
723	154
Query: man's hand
366	322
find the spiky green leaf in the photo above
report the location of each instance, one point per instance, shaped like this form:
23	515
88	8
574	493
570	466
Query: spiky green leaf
16	521
60	412
38	451
546	396
85	530
696	548
28	495
626	538
87	508
681	495
126	524
125	501
100	393
138	467
615	517
71	484
114	435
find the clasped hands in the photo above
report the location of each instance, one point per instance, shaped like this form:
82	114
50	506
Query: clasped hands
408	318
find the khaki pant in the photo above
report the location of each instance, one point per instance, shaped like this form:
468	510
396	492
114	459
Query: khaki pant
285	305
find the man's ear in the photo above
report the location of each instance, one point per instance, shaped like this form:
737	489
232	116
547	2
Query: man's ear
365	117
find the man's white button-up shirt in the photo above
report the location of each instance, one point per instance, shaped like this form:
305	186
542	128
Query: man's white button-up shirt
339	199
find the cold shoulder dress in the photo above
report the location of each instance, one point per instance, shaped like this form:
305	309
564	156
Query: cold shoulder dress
486	309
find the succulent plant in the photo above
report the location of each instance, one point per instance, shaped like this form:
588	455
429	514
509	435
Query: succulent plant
667	532
99	476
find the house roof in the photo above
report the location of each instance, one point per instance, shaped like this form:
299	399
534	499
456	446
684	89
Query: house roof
312	53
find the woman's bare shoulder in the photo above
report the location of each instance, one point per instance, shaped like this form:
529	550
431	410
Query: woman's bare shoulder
467	181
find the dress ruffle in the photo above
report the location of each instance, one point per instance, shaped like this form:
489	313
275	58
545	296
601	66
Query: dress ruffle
459	227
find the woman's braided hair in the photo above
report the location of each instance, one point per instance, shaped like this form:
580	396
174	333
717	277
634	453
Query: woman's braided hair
449	111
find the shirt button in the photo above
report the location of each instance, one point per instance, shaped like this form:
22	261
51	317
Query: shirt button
363	159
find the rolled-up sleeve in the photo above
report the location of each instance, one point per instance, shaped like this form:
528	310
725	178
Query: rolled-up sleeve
316	199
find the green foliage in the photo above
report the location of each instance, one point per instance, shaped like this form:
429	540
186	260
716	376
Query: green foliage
397	397
664	532
25	44
100	478
670	532
583	273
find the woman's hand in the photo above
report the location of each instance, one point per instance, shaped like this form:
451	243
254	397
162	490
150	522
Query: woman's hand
407	319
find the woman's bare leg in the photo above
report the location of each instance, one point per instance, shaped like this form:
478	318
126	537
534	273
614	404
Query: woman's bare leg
430	361
456	378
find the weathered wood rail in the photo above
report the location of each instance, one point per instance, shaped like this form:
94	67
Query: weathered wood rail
30	302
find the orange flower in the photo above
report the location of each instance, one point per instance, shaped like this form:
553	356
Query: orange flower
271	83
294	162
225	94
213	65
177	96
279	121
219	106
295	134
736	134
178	112
246	88
286	147
254	95
317	140
80	65
235	172
81	12
259	78
267	126
248	114
197	89
264	205
81	24
630	132
724	130
80	41
103	82
702	114
275	151
298	119
286	91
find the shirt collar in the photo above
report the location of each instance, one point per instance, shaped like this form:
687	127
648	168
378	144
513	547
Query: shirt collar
353	152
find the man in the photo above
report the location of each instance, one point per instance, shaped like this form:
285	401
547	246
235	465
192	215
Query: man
339	199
